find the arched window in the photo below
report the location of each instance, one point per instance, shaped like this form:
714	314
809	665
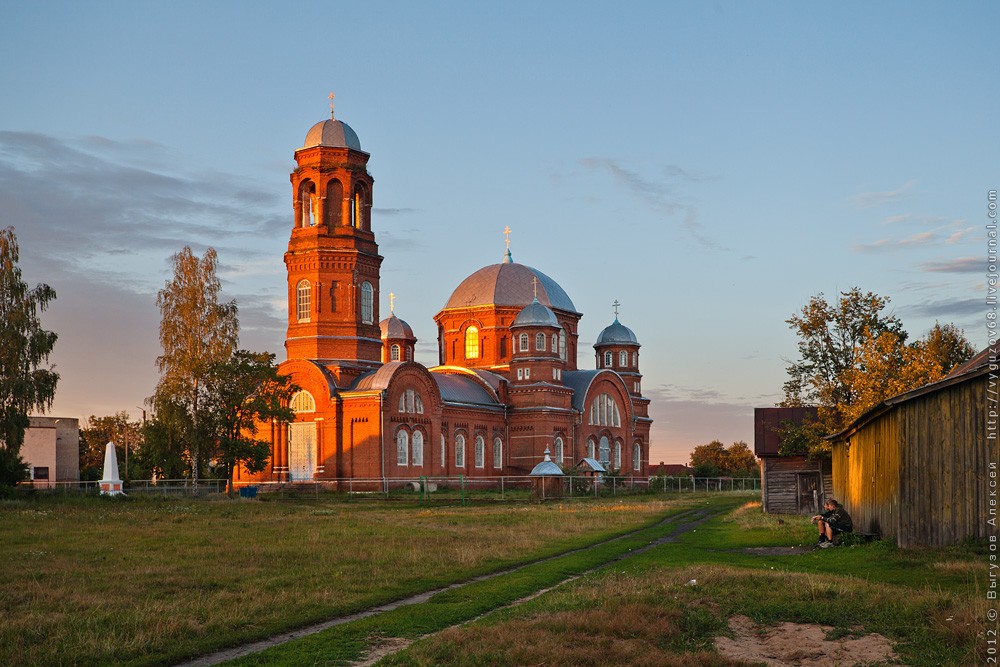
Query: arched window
637	456
607	360
418	448
410	402
562	345
524	342
560	454
480	452
604	412
367	303
394	353
618	455
623	358
555	342
635	358
308	203
540	342
590	447
303	301
334	202
402	447
459	451
472	343
497	453
444	450
302	402
605	451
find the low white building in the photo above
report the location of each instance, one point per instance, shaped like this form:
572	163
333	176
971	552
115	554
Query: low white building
51	450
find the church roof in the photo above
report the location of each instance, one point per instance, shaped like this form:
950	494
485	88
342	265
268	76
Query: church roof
333	133
616	333
579	382
509	284
463	389
535	315
393	328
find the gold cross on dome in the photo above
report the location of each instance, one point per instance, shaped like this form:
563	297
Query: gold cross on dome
392	302
331	96
506	233
616	305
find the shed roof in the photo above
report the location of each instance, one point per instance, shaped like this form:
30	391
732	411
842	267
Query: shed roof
975	367
593	465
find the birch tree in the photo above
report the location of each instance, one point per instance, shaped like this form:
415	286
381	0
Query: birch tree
25	385
196	332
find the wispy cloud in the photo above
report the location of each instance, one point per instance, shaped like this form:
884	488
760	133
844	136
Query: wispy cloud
914	240
873	199
394	211
947	308
659	194
104	207
951	232
957	265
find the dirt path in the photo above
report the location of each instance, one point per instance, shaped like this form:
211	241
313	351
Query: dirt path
688	519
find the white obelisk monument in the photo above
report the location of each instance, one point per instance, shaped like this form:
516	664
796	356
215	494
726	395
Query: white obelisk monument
111	484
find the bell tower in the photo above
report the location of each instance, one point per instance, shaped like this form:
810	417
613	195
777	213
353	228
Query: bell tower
332	259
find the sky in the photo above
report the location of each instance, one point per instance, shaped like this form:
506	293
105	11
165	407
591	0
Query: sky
711	166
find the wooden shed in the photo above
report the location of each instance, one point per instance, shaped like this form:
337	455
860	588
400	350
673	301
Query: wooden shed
917	466
789	484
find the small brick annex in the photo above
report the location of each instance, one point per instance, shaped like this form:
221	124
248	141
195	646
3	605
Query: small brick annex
507	386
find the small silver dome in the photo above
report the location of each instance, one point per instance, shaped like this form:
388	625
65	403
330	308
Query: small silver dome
535	315
616	334
333	133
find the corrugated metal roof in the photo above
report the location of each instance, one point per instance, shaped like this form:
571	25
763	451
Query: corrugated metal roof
593	465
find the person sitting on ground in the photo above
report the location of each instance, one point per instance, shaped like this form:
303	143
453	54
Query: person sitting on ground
834	521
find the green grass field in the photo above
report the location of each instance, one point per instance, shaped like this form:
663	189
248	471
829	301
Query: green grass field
154	581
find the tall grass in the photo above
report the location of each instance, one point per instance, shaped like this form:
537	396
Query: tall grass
152	581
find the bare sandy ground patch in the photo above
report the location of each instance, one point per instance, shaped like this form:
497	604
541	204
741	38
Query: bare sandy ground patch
802	645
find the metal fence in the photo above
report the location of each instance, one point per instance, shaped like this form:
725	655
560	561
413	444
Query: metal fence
145	487
425	488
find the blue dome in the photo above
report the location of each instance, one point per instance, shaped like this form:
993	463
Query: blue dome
535	315
616	334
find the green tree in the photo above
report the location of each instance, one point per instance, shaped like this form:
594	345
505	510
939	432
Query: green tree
196	332
244	392
164	452
715	459
116	428
25	385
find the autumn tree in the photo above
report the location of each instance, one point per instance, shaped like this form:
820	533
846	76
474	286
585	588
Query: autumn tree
196	332
25	385
853	355
244	392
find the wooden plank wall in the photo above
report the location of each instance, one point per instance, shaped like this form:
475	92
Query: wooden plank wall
919	472
945	466
866	475
779	477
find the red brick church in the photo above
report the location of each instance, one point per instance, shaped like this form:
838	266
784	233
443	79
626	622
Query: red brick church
507	386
